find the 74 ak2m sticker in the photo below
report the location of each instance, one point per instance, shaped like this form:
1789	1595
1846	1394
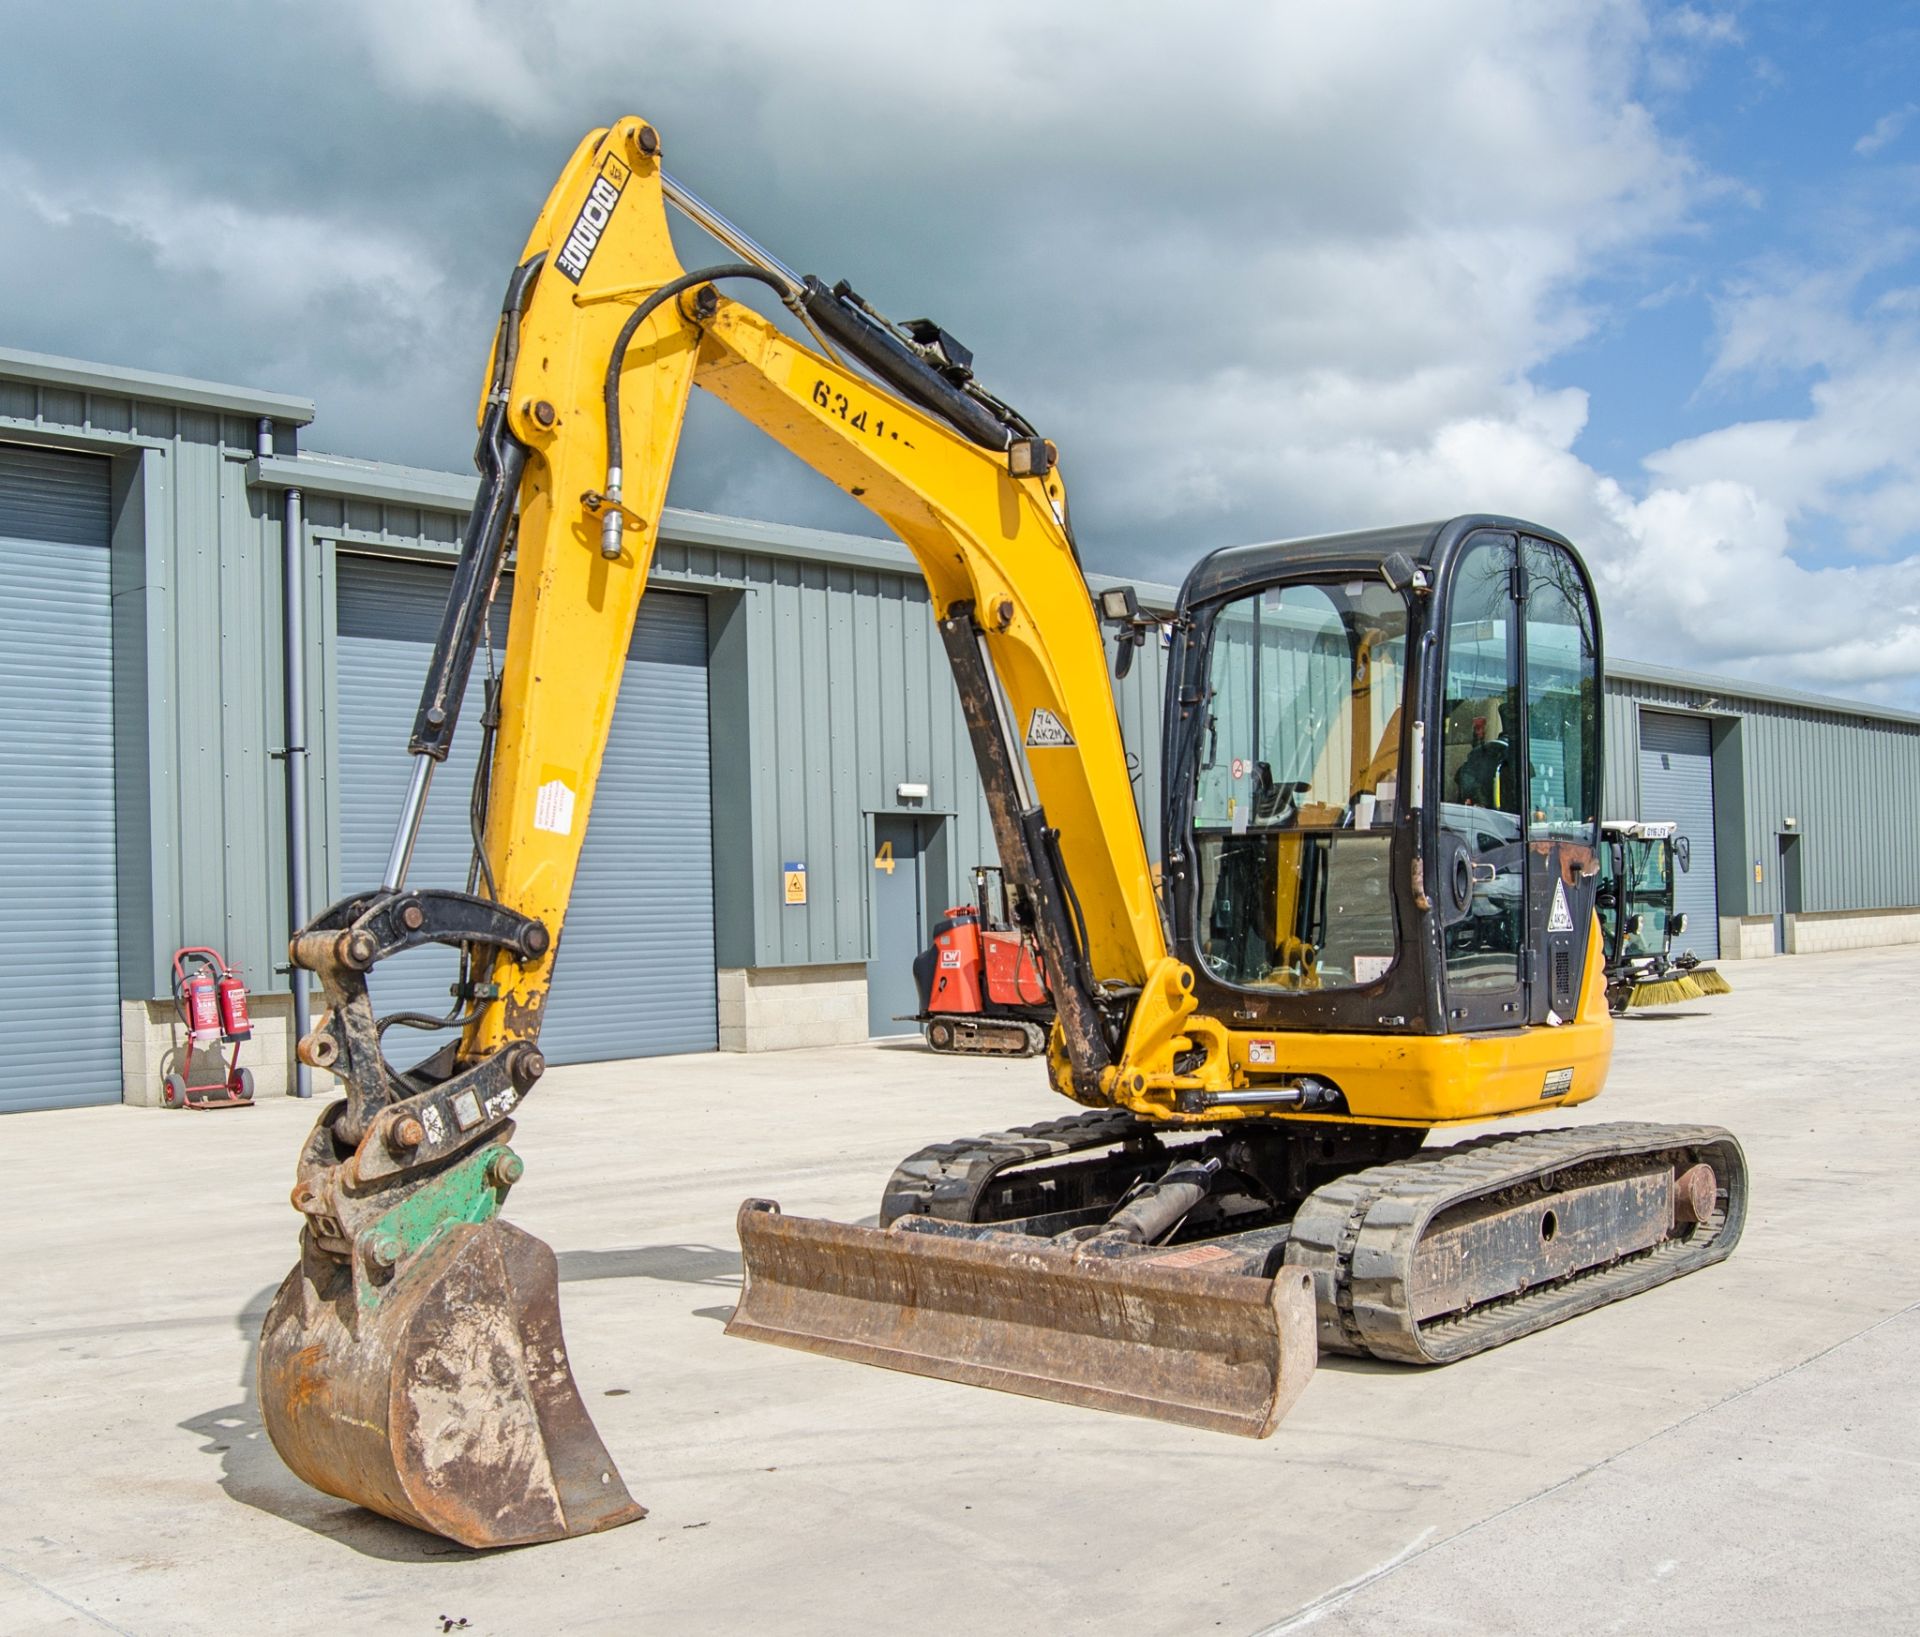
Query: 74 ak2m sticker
1045	731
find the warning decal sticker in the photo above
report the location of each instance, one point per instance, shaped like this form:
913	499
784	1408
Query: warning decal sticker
1046	731
553	808
1561	919
1189	1256
1558	1083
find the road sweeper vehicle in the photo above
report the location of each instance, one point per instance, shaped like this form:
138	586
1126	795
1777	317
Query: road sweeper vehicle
1381	925
1640	865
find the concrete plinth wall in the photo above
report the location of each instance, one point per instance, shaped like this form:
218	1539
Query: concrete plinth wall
153	1044
1746	938
771	1008
1752	937
1851	929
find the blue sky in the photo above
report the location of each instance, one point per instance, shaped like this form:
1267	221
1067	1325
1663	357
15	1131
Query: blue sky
1806	117
1645	271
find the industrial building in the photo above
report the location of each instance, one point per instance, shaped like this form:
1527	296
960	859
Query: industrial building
788	796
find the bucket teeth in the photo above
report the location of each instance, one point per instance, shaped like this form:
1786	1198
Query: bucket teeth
442	1399
1133	1334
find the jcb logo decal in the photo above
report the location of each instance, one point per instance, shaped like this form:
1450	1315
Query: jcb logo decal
584	237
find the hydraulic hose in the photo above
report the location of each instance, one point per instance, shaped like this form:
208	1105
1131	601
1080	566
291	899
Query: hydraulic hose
613	523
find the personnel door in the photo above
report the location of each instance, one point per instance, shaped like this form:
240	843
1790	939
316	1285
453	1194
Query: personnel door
900	932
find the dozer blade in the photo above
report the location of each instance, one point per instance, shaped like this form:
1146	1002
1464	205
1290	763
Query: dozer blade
1151	1334
442	1398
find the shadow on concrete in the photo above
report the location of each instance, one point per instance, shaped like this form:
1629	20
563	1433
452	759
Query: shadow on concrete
1665	1015
254	1475
681	1264
1348	1364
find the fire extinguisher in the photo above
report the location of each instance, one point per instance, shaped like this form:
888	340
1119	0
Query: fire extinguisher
231	991
200	1000
212	998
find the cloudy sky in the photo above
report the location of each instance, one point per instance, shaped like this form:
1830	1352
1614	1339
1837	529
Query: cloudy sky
1646	271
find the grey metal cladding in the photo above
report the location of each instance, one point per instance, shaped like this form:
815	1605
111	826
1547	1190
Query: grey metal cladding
1843	777
59	970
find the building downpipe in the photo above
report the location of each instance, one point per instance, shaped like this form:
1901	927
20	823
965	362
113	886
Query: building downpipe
293	664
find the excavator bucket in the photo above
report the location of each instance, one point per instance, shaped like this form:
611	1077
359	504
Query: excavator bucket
1155	1334
441	1398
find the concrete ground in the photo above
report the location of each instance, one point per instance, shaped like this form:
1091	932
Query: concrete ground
1735	1452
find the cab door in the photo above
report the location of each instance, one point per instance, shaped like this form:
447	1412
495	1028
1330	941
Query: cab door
1561	716
1479	887
1518	775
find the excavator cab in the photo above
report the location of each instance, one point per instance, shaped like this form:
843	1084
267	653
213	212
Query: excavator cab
1370	727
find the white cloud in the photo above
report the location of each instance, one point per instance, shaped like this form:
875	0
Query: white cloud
264	258
1886	129
495	54
151	272
1700	27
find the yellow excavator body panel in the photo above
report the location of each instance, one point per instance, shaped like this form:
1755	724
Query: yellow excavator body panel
1414	1080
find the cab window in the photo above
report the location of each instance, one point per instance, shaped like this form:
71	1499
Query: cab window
1563	697
1299	785
1482	865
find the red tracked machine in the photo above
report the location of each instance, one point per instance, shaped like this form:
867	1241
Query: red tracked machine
982	987
212	998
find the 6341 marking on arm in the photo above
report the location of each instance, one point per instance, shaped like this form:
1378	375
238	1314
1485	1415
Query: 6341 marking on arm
834	402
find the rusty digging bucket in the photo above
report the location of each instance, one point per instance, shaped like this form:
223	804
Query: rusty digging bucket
441	1398
1153	1335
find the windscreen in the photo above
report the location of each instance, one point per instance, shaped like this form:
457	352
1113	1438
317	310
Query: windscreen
1299	784
1644	891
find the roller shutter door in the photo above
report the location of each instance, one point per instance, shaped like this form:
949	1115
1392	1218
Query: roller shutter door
635	976
1676	782
59	964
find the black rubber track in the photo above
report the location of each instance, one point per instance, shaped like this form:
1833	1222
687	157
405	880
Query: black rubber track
946	1179
1359	1235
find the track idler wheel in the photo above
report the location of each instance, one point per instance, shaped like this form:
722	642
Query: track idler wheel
438	1392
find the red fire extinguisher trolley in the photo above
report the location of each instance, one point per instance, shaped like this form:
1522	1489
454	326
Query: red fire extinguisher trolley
212	999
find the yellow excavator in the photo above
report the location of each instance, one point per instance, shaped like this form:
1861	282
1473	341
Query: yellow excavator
1376	920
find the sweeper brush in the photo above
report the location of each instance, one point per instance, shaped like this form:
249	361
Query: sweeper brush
1665	992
